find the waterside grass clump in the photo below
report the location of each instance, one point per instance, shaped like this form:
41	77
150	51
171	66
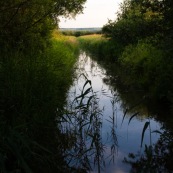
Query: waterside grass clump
99	46
33	87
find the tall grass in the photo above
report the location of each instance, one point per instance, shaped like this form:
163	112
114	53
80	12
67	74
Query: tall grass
100	47
33	86
146	67
83	122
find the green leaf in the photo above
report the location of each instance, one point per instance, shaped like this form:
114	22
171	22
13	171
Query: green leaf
143	131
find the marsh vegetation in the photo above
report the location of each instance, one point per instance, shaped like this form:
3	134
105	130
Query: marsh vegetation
86	103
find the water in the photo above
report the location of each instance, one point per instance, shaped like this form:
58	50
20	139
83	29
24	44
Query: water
118	137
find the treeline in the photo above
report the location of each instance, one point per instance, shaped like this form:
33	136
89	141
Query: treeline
35	72
78	33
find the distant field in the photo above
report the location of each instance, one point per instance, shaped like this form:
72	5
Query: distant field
81	29
93	37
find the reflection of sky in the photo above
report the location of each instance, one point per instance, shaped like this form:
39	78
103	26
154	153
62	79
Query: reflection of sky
128	136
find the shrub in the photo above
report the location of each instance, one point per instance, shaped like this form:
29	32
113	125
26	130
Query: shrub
147	67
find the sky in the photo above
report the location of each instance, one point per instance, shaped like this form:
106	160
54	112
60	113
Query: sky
96	14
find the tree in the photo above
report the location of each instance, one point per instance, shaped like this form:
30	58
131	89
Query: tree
23	20
136	20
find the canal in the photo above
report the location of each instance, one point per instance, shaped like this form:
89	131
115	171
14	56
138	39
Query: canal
104	128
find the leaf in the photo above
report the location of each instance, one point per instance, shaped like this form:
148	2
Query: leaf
124	116
157	131
83	94
83	126
88	81
88	103
41	147
133	117
132	107
17	152
87	91
143	131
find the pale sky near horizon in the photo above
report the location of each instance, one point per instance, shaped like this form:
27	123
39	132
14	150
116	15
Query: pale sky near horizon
96	14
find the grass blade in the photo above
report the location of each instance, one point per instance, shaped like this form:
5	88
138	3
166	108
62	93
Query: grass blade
133	117
124	116
157	131
88	81
143	131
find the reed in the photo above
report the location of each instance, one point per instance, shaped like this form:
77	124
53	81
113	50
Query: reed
33	86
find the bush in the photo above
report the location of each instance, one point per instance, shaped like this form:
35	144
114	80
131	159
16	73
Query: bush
147	68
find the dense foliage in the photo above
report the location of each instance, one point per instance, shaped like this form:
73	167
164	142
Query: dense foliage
35	73
157	158
33	87
144	29
140	43
25	22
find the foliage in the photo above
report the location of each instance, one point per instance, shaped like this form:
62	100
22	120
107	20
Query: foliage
35	73
82	120
157	158
28	23
100	46
147	68
33	87
136	20
144	30
78	33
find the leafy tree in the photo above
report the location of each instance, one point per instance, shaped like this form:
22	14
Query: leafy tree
24	21
136	20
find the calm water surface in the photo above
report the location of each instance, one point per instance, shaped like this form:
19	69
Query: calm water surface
117	136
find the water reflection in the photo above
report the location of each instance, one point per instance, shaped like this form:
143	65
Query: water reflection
98	122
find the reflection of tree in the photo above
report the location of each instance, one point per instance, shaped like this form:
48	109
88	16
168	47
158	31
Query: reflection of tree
157	158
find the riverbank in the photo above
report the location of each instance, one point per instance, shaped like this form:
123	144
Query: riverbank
33	87
139	67
143	79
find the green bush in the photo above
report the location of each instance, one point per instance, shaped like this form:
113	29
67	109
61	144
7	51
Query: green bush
145	66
